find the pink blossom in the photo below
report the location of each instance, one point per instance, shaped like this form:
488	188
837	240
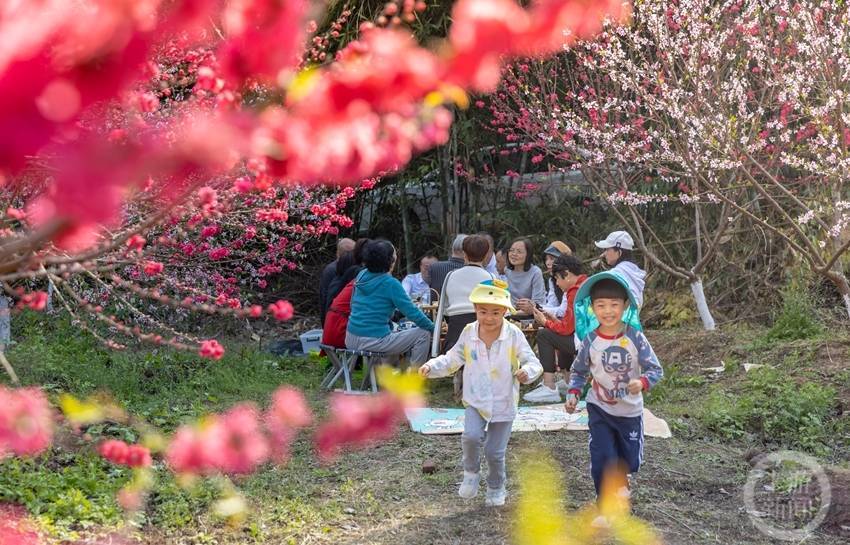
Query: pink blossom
281	310
16	213
255	311
136	242
152	268
15	529
287	412
35	300
26	422
243	184
211	349
358	421
243	446
219	253
119	452
209	231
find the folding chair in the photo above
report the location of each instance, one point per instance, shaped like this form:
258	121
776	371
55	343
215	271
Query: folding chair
343	361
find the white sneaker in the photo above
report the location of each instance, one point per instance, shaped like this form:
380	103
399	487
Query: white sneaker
469	487
562	386
495	497
543	394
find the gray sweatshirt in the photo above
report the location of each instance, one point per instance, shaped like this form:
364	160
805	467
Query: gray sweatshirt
526	285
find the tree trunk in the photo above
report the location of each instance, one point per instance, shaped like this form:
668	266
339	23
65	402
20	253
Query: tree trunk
405	227
702	305
843	286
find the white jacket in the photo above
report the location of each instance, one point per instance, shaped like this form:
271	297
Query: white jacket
635	276
489	385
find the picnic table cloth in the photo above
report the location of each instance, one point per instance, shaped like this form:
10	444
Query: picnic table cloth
432	420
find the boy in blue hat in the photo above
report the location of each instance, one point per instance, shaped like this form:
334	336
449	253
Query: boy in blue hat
622	364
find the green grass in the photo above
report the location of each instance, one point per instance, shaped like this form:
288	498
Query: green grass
773	408
66	491
71	490
161	384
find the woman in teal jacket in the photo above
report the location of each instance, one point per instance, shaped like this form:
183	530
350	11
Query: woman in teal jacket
377	295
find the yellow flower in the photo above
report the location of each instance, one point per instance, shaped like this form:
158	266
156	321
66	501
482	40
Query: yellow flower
539	518
409	386
91	410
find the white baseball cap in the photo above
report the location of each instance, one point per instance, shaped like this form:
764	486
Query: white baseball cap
617	239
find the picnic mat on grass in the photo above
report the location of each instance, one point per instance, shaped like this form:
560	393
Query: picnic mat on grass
430	421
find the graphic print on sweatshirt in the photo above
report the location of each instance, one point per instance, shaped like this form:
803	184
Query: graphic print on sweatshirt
618	363
612	363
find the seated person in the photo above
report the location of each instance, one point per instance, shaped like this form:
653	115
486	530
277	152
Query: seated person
557	336
347	267
501	258
416	285
376	297
440	269
525	280
455	305
336	320
555	303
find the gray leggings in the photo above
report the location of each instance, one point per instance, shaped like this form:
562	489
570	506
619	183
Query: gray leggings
495	439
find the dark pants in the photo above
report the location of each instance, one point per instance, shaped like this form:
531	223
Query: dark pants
549	343
456	324
614	441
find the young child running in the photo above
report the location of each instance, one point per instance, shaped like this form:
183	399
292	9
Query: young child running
495	357
622	364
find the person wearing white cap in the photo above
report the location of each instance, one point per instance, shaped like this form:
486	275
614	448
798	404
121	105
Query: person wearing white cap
618	247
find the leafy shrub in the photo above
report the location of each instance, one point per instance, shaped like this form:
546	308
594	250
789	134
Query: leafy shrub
775	409
796	320
66	492
672	383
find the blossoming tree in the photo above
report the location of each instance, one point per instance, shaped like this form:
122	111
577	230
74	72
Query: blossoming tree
139	135
732	108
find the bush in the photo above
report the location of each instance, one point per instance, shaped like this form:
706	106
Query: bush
774	409
66	492
796	320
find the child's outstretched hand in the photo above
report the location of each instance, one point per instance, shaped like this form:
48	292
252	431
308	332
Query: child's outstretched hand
521	376
571	404
635	386
424	370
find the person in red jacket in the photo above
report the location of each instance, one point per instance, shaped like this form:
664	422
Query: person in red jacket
556	336
336	320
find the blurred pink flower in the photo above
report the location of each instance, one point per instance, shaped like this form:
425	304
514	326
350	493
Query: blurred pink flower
358	421
281	310
211	349
26	421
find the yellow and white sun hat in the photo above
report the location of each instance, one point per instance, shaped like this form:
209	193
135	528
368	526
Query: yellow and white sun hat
492	292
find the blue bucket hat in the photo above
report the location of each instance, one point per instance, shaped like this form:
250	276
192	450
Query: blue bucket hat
585	318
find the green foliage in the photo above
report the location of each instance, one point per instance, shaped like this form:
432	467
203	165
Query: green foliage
162	385
774	409
171	506
674	381
796	320
70	491
66	491
677	309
